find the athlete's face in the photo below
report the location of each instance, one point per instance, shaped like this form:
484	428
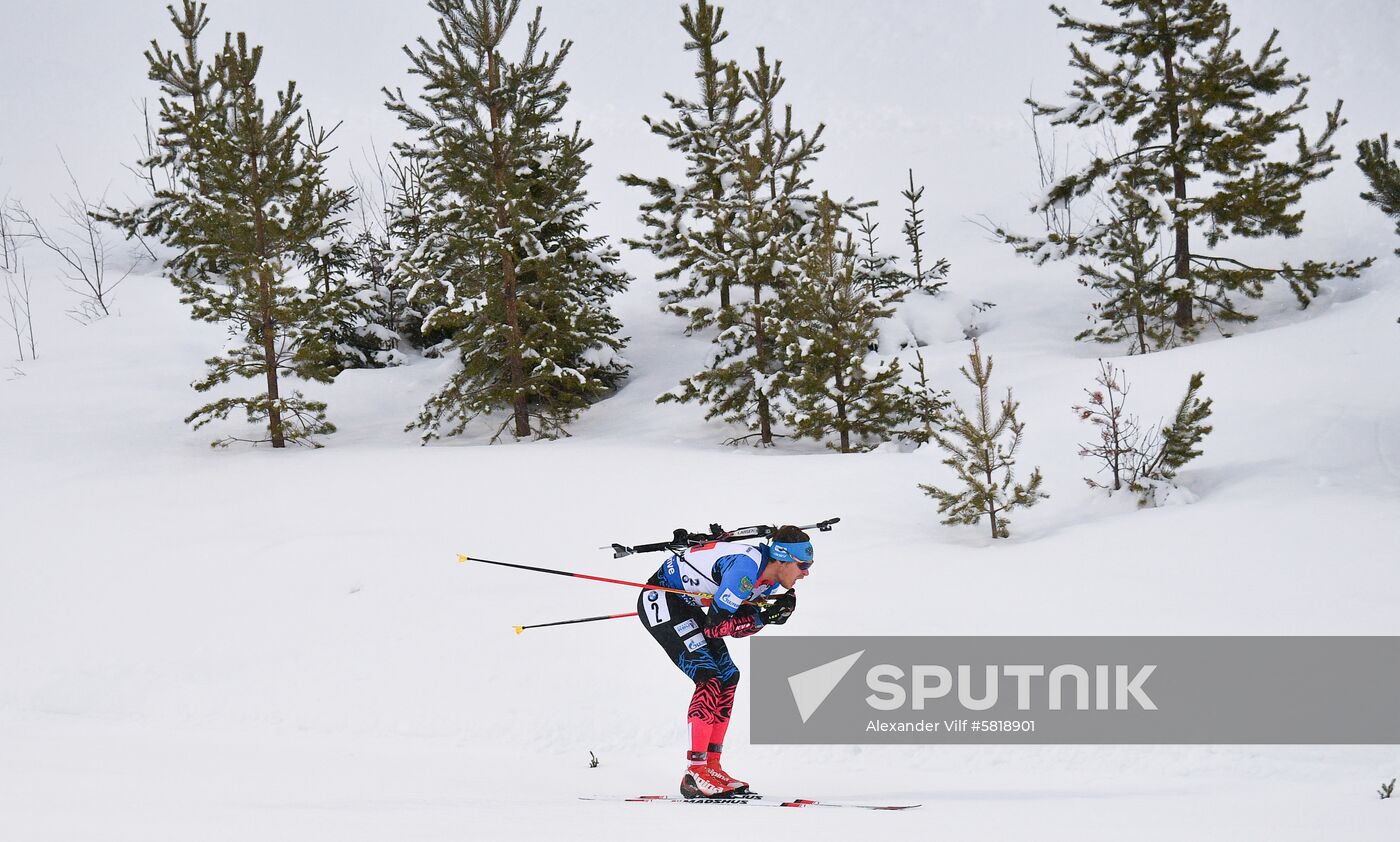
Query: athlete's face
789	574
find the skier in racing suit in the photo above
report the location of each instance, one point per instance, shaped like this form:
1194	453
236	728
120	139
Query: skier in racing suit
737	575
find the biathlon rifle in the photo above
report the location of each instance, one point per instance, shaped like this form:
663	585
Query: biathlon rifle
682	539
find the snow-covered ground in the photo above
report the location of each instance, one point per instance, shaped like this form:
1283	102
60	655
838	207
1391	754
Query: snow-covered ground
246	644
250	644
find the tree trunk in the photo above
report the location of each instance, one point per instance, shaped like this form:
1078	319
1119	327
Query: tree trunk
1183	232
718	192
515	363
992	503
269	339
842	426
765	421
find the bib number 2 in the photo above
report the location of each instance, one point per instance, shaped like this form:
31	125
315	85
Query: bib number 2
656	610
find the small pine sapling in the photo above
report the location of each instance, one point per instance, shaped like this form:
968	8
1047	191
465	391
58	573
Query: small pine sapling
930	279
1128	270
1143	462
876	271
982	452
1116	448
1167	452
1387	790
924	405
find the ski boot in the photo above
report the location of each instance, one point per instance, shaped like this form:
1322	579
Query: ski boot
738	787
712	760
703	781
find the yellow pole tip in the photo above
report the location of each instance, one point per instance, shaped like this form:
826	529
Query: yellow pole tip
461	557
519	629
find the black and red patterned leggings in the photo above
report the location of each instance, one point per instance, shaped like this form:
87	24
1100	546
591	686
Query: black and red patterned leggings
677	627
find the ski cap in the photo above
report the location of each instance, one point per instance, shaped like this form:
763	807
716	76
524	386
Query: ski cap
785	551
791	544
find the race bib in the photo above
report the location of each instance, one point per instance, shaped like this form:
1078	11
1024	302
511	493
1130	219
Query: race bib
655	609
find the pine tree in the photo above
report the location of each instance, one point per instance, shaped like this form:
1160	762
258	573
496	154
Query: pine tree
690	223
1119	433
769	229
263	197
837	389
249	201
1199	168
1127	272
381	253
1145	462
928	274
1178	443
925	406
188	108
1383	174
406	268
506	264
982	452
332	262
875	270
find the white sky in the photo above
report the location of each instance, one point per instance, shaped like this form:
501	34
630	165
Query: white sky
932	85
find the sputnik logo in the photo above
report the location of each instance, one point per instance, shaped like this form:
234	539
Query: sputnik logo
811	687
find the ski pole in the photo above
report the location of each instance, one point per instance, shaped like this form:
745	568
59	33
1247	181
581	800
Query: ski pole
644	586
520	629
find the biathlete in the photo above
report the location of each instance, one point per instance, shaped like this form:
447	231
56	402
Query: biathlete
737	575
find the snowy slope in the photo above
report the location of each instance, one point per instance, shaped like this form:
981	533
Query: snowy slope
254	645
204	644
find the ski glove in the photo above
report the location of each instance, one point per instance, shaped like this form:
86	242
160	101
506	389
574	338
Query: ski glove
778	611
741	623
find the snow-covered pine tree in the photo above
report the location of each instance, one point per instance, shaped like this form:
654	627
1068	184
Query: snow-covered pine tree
771	228
332	263
837	389
250	198
1127	272
1202	123
400	248
690	222
264	196
506	262
1164	454
924	405
571	335
187	105
929	275
876	270
982	452
1383	174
